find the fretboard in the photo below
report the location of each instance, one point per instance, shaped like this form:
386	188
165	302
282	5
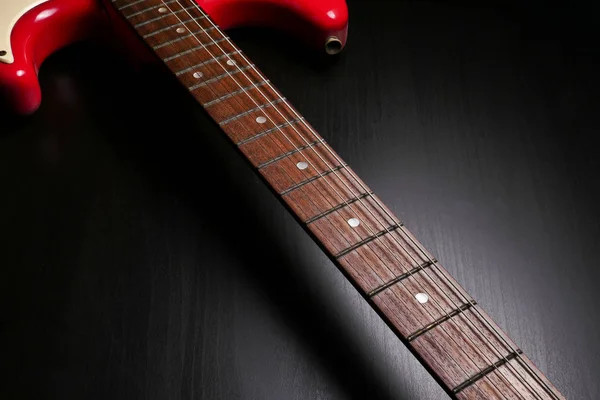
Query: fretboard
452	336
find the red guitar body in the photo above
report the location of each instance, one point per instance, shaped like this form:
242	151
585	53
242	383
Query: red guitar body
54	24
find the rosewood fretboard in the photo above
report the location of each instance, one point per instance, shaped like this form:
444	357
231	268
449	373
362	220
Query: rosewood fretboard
440	323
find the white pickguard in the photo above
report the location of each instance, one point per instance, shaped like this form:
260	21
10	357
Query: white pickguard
10	12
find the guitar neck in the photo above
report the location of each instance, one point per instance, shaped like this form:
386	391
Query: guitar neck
458	343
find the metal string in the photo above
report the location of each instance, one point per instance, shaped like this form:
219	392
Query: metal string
243	89
386	212
297	149
402	301
402	228
292	126
432	317
219	82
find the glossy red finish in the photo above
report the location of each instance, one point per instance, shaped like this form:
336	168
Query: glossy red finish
39	33
312	21
58	23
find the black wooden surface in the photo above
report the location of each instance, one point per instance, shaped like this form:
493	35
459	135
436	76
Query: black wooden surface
140	257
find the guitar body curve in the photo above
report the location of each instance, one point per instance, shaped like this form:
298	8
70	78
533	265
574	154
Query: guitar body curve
322	24
39	32
39	28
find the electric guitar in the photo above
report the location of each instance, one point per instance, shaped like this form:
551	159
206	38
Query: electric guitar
441	324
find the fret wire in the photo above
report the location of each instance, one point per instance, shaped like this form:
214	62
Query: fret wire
212	60
211	80
314	178
250	80
233	94
333	225
166	28
439	321
452	359
542	383
378	267
433	264
183	53
397	279
459	309
242	88
306	214
244	57
170	42
156	19
204	83
338	207
148	9
500	336
467	376
367	240
289	153
268	131
263	95
203	30
247	112
488	370
419	248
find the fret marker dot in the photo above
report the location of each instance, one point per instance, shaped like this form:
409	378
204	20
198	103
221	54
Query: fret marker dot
353	222
261	120
180	30
230	62
422	298
162	10
197	75
302	165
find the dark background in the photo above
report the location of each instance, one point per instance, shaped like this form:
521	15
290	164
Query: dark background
141	258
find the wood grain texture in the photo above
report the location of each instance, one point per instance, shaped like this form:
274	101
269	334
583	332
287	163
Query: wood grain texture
456	341
283	284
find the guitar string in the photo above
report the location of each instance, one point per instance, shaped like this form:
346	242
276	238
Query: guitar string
383	263
219	82
274	107
443	328
209	87
500	336
196	21
265	96
460	310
